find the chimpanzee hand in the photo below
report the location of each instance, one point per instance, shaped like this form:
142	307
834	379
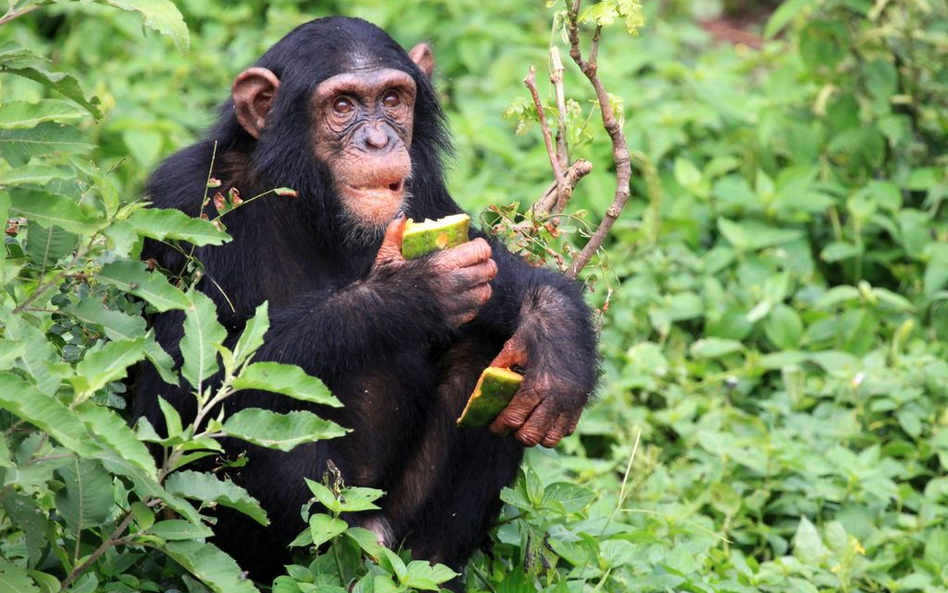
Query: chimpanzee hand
558	381
458	278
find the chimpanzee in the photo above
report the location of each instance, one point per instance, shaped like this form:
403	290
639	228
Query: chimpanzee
339	112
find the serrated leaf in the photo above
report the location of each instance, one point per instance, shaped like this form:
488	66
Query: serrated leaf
14	579
174	224
86	498
285	379
132	277
202	333
46	413
110	363
252	337
176	529
51	210
209	488
113	432
33	174
161	15
22	114
115	324
45	246
280	431
161	360
18	60
208	563
19	146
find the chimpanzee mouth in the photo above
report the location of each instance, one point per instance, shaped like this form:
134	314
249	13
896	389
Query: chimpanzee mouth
395	187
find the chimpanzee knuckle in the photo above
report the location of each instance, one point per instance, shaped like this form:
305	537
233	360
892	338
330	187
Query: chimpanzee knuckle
492	268
482	249
552	438
484	293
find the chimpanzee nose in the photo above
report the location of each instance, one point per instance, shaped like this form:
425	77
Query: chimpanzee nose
375	138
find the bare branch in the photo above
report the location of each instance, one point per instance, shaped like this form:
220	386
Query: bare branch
574	174
556	79
531	83
15	14
620	149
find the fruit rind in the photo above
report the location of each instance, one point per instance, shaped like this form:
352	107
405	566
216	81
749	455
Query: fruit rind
494	390
422	238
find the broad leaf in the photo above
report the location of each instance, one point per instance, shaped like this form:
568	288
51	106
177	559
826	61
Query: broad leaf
134	278
113	432
212	566
115	324
161	15
21	114
45	246
286	379
86	498
14	579
18	60
323	528
202	333
51	210
161	360
252	337
174	224
280	431
176	529
33	174
46	413
19	146
209	488
107	364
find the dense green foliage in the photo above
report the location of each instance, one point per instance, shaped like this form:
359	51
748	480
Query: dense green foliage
773	413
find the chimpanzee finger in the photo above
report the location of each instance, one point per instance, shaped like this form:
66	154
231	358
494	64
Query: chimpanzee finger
573	421
516	412
537	426
479	274
469	254
557	430
391	248
513	352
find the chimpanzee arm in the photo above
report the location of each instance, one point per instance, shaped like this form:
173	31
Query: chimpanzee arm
550	333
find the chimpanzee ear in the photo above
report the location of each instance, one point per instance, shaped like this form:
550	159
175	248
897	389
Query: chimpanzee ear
423	58
254	91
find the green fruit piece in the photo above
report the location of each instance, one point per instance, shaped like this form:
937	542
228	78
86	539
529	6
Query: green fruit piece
493	392
421	238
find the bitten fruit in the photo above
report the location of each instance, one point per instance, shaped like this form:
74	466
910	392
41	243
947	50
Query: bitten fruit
493	392
421	238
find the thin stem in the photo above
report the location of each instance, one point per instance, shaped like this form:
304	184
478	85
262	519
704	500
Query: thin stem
15	14
102	549
556	79
561	187
44	286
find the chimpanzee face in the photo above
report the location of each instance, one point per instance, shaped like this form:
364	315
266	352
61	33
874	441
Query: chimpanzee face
361	130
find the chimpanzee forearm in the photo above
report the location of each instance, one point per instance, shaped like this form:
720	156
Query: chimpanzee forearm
334	330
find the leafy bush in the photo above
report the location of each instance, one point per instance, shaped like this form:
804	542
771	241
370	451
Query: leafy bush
774	408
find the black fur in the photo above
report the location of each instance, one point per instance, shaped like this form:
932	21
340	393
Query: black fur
380	343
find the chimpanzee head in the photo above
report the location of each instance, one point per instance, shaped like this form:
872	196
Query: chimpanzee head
341	113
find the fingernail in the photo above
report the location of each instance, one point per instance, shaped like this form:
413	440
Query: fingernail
400	215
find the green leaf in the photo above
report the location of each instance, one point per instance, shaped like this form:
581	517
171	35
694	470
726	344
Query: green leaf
563	497
176	529
252	337
422	575
784	327
208	563
749	235
174	224
715	348
19	146
14	579
18	60
51	210
356	499
107	364
86	499
46	413
285	379
113	432
786	12
132	277
161	15
808	545
27	516
161	360
202	333
323	528
33	174
115	324
209	488
45	246
21	114
367	540
280	431
936	548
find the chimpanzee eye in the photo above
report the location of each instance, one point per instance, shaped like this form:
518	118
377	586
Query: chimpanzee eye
342	105
391	99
